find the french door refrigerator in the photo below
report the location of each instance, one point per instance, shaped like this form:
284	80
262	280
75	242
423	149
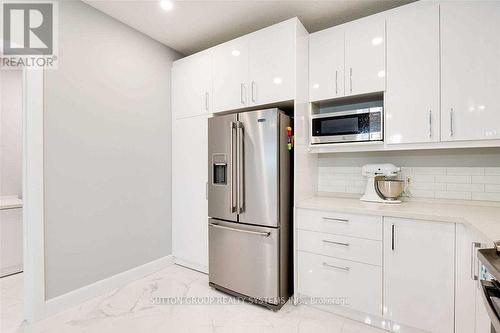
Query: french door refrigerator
249	206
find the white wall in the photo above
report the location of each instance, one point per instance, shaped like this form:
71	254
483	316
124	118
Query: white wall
107	150
11	139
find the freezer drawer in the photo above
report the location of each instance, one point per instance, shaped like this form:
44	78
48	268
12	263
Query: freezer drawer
245	259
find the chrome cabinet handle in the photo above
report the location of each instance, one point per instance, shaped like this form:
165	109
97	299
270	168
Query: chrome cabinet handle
350	78
259	233
242	93
253	89
240	162
206	101
336	243
335	220
336	82
452	131
231	185
473	265
347	269
393	231
430	123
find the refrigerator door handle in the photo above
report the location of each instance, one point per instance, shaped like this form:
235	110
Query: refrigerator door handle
259	233
239	162
231	159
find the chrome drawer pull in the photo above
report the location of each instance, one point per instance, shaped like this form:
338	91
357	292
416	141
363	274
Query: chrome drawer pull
335	220
336	243
347	269
265	234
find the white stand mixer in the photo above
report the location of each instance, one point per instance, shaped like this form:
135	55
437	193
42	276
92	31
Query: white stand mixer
372	171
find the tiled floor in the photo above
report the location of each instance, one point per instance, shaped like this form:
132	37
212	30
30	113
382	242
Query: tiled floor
131	309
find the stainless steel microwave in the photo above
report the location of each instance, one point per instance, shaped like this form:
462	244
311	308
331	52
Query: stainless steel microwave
348	126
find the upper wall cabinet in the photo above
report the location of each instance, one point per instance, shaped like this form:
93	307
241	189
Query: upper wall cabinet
470	70
192	86
412	95
365	56
326	64
347	60
256	69
230	75
272	63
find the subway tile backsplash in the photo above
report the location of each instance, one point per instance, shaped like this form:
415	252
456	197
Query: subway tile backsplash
466	183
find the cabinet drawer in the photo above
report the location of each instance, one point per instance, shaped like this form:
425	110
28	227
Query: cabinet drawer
362	226
343	247
337	279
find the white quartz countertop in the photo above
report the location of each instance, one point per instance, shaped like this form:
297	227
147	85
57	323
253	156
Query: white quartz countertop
483	218
9	202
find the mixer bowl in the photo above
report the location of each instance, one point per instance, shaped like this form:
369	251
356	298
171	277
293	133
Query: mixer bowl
391	189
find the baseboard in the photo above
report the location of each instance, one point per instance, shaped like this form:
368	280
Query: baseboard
78	296
191	265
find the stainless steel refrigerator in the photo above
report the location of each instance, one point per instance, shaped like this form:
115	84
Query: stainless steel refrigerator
249	206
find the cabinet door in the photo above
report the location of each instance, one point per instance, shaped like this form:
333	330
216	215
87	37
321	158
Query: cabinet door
230	75
483	321
466	281
419	274
326	64
470	78
189	202
365	56
412	96
272	64
192	86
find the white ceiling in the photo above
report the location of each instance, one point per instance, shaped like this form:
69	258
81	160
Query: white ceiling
196	25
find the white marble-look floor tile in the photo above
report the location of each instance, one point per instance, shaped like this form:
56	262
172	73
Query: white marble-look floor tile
131	309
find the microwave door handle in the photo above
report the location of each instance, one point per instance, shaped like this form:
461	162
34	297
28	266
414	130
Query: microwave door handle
231	159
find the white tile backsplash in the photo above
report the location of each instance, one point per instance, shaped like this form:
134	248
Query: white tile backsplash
467	183
492	171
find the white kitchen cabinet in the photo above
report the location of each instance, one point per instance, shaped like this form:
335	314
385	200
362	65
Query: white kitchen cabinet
354	225
483	321
192	86
412	95
419	274
465	285
470	70
342	247
470	313
230	75
365	56
272	64
189	202
350	284
326	64
256	69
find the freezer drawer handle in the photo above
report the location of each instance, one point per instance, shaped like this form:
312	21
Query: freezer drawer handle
335	220
336	243
347	269
259	233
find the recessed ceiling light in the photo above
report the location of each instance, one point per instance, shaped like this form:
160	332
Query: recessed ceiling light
166	5
235	53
